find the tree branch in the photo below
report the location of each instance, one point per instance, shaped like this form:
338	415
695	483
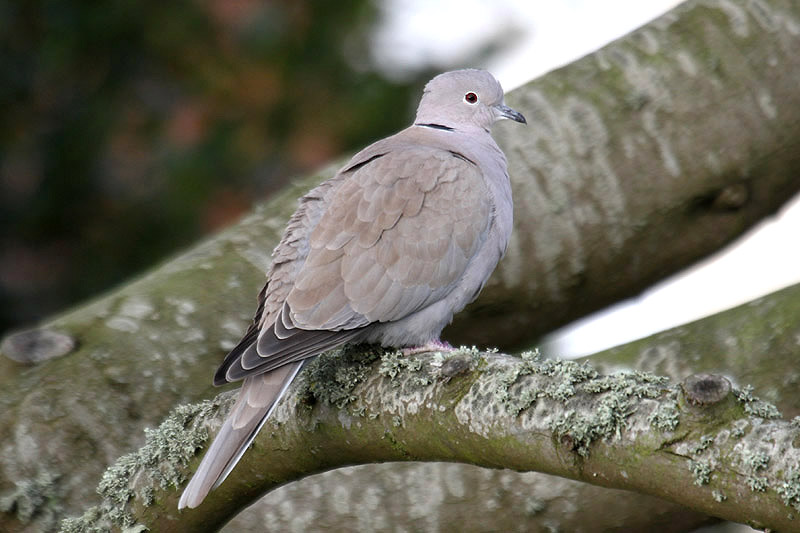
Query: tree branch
755	344
640	159
700	444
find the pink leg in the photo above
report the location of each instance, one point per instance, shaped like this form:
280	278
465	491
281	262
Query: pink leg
430	346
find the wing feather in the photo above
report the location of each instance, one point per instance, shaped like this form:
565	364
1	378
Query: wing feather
386	244
401	240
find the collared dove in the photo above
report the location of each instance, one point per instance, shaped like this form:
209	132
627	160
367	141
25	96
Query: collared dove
385	252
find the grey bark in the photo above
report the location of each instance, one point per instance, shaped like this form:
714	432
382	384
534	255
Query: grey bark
640	158
695	110
698	443
753	344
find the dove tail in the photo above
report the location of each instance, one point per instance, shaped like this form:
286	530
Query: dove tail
257	400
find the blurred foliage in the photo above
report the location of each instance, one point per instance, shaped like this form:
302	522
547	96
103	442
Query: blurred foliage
129	128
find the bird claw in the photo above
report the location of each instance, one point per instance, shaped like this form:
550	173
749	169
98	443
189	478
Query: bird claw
430	346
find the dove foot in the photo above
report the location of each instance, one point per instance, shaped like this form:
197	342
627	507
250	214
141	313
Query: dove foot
430	346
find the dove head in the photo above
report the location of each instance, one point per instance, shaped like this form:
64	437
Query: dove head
464	99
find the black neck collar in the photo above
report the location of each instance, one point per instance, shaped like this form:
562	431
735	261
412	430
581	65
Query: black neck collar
435	126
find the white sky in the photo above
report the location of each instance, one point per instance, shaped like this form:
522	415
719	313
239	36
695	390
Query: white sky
546	33
549	34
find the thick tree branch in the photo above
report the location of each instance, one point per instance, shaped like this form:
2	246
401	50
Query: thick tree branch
640	156
753	344
699	443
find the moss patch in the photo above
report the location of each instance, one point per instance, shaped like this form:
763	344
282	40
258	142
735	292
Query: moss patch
701	470
161	461
612	397
667	416
332	376
789	490
755	406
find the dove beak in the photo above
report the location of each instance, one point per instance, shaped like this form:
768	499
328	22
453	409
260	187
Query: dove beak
506	112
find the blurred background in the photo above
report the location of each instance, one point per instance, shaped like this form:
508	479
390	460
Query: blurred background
130	129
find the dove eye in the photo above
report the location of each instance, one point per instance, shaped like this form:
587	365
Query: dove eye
471	98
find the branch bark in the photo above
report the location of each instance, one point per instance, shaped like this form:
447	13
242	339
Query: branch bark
641	158
709	89
701	444
753	344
